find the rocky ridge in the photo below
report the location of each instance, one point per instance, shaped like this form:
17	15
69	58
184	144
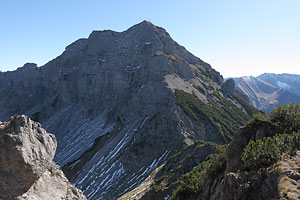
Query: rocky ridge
266	91
26	167
289	82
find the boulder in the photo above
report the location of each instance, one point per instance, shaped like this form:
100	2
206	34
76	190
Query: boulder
26	154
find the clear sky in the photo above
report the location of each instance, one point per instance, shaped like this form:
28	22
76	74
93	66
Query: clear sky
237	37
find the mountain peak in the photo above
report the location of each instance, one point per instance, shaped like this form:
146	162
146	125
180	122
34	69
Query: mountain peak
147	27
109	89
144	24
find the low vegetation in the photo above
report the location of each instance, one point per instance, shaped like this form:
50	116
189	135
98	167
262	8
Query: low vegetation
266	151
286	119
225	116
182	162
194	181
249	109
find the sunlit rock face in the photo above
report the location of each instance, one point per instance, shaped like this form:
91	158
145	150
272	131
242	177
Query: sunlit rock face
26	167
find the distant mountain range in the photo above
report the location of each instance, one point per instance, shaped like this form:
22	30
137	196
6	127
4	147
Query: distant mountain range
268	90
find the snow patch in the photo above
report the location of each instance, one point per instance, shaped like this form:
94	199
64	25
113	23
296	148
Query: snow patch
143	122
283	85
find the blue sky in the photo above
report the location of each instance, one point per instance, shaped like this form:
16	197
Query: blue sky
236	37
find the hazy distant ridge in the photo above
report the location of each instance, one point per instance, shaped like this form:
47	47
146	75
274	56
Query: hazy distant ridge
268	90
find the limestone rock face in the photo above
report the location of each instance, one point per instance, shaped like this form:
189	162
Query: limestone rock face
52	185
26	154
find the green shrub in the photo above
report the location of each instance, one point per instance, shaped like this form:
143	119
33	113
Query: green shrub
286	118
260	153
261	117
264	152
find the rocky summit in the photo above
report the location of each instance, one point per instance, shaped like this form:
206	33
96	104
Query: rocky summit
26	167
121	103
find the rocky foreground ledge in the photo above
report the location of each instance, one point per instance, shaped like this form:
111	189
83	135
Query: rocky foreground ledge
27	170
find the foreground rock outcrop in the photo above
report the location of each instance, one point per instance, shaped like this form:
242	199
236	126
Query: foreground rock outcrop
281	181
26	167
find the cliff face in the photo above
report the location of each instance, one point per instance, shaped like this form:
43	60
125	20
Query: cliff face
26	167
111	101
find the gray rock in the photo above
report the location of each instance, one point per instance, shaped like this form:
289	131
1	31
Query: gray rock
26	154
52	185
